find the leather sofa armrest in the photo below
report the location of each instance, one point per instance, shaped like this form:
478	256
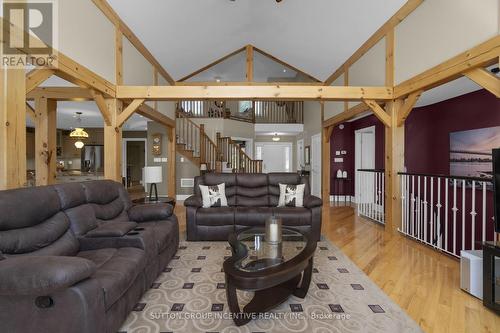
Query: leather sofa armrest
311	201
193	201
111	229
42	275
150	212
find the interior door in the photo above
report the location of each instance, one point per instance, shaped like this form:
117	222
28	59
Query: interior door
365	159
316	165
275	157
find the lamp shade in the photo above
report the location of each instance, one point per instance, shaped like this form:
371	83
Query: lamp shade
152	174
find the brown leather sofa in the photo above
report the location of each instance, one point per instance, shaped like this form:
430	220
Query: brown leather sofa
77	257
252	198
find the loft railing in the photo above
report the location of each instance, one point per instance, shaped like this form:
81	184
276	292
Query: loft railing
448	213
266	112
370	192
236	158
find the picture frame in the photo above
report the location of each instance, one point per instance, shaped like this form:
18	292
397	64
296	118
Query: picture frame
307	155
156	147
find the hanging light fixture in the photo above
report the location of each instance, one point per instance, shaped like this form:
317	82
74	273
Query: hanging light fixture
79	133
276	138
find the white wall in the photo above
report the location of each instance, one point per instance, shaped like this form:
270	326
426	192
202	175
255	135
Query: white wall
441	29
87	36
136	69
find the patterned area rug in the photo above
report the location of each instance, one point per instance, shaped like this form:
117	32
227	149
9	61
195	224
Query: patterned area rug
189	296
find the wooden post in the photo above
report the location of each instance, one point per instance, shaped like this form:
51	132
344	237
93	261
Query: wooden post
202	144
325	153
113	142
249	50
172	184
394	163
45	141
12	128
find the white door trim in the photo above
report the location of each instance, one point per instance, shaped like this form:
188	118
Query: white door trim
357	161
315	137
300	158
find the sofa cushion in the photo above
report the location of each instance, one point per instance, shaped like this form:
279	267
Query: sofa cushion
275	179
116	270
211	179
109	200
252	190
82	219
162	232
293	216
215	216
252	216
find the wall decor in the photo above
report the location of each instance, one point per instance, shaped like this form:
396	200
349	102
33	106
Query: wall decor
157	144
338	160
471	152
307	155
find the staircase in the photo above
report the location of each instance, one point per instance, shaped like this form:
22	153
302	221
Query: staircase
221	156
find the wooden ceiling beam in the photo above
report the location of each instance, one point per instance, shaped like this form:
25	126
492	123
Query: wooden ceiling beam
346	115
276	92
408	106
36	77
150	113
397	18
218	61
485	79
102	106
110	13
128	111
249	71
481	56
379	112
73	94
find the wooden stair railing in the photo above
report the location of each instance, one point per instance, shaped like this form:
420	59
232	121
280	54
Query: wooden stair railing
236	158
194	144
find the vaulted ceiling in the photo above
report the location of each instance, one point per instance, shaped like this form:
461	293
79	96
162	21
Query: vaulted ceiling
316	36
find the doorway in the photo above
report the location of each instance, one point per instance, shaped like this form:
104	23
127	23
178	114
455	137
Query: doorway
316	165
276	157
364	159
134	159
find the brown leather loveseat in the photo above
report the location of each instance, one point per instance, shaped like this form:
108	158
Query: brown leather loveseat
77	257
252	198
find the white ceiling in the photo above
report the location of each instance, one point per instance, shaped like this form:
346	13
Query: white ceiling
316	36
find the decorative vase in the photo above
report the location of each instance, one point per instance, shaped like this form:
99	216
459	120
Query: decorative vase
273	230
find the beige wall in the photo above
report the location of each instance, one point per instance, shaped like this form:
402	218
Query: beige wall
441	29
87	36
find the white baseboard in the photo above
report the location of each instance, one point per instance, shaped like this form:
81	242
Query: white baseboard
182	197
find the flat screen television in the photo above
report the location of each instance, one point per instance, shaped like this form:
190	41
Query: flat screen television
496	187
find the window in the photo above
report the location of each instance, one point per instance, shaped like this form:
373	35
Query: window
194	108
245	106
258	153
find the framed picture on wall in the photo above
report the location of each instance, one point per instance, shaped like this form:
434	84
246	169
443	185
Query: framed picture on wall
157	144
307	155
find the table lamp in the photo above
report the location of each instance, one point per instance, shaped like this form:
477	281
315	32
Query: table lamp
152	175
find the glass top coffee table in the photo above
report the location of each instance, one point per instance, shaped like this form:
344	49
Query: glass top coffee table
274	270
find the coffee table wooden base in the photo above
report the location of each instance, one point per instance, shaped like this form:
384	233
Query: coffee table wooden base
266	299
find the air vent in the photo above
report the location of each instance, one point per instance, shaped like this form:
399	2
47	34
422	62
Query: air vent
187	182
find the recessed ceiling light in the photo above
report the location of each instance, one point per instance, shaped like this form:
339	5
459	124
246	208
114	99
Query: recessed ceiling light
284	70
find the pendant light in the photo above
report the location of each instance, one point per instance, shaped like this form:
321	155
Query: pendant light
276	138
79	133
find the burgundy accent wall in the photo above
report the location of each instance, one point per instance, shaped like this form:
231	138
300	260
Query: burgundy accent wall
427	136
343	139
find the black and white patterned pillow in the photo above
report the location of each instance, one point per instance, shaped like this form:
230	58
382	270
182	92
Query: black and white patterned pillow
291	195
214	196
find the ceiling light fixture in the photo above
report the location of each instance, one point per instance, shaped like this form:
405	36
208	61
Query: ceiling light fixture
79	133
79	144
276	138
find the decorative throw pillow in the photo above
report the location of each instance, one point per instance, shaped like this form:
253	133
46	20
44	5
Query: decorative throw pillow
291	195
214	196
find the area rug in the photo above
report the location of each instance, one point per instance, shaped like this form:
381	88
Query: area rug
189	296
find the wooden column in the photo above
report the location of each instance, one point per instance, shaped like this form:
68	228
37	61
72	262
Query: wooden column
113	142
12	128
325	159
394	163
45	141
172	184
249	51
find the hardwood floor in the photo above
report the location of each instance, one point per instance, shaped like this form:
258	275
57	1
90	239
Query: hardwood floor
424	282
